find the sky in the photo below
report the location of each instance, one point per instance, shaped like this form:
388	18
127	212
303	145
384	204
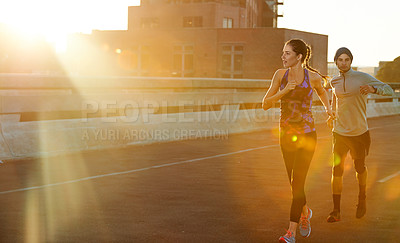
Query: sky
370	29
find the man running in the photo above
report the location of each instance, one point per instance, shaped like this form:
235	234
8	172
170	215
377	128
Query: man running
350	129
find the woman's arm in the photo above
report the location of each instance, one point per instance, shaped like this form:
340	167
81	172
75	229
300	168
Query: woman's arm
332	118
316	84
274	94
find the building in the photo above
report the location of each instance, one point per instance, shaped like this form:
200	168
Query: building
332	69
193	38
370	70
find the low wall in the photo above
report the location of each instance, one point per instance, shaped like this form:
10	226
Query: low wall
48	115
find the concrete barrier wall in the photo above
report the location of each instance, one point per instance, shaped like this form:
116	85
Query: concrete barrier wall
48	115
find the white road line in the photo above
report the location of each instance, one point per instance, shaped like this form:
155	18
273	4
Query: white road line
391	125
389	177
144	169
137	170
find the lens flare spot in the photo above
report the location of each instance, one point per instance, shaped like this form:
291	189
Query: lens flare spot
294	138
336	159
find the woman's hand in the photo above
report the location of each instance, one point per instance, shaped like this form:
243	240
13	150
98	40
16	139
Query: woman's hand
291	85
330	113
331	118
265	106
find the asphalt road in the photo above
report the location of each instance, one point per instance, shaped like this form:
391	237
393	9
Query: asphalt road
207	190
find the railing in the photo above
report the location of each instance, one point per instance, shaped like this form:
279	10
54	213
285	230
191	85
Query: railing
45	115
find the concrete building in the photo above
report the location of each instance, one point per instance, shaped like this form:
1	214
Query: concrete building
332	69
193	38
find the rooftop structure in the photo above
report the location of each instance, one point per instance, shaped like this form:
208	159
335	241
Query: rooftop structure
194	38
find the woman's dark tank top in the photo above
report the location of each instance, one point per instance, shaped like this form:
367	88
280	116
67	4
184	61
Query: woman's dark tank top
296	115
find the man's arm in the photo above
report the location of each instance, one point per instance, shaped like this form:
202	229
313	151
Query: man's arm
333	102
374	86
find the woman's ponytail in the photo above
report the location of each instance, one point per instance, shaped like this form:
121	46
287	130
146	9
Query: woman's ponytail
307	65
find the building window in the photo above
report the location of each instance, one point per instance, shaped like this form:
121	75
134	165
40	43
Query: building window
150	23
193	21
183	65
227	23
135	60
231	61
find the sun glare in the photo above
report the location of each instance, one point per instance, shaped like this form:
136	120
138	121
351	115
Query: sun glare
35	21
55	20
57	39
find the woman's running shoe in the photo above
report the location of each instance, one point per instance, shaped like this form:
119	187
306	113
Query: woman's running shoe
305	225
288	237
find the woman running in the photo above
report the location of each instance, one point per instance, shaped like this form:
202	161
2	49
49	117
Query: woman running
294	86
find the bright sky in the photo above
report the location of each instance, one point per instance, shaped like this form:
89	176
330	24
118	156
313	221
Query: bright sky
370	29
55	19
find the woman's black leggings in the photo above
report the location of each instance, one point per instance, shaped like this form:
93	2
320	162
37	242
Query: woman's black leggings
297	151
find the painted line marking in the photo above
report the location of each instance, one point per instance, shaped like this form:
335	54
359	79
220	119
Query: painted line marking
392	125
137	170
144	169
389	177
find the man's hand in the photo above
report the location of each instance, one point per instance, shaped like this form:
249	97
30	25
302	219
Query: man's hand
367	89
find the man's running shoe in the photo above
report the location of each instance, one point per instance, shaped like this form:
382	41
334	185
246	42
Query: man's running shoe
334	216
288	237
305	226
361	209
